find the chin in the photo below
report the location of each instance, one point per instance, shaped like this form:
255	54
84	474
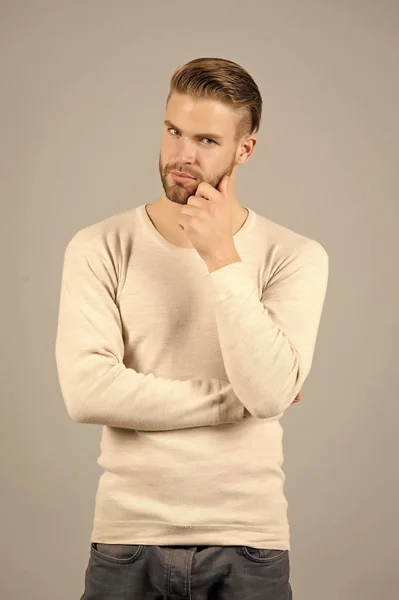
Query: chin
176	198
176	193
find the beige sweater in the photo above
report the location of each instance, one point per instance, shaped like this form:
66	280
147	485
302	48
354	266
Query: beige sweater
165	356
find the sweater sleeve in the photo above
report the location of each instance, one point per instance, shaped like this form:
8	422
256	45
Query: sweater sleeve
268	343
95	384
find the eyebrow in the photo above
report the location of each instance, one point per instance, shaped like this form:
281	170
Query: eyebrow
212	136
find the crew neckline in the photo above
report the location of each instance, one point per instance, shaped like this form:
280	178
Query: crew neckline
150	227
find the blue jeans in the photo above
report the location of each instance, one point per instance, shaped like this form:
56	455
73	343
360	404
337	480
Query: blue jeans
138	572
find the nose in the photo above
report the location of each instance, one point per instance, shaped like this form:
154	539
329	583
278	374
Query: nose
185	151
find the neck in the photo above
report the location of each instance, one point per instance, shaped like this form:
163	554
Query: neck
168	212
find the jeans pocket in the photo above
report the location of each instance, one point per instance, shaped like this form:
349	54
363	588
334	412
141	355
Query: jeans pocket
116	553
263	555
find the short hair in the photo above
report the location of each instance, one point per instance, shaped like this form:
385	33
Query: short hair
225	81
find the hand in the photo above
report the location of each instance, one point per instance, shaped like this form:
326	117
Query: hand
298	397
207	221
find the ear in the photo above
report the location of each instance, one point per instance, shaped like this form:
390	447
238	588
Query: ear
223	186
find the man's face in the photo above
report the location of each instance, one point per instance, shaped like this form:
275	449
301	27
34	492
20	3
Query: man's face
198	140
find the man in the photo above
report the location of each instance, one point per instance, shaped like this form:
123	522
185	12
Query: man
187	327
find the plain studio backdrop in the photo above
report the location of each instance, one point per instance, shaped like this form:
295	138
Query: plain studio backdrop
83	91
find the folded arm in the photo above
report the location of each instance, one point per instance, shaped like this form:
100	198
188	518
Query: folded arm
268	343
95	384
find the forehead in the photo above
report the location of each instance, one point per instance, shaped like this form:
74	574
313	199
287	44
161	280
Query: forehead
193	116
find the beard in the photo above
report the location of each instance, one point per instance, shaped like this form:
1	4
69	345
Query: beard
179	193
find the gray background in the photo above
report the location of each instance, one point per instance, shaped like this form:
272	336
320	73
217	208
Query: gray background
83	90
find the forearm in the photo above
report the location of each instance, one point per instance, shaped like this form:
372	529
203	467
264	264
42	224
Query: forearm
120	397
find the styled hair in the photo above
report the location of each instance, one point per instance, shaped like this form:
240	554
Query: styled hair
225	81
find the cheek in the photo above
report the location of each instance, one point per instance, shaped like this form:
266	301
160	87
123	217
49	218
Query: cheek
166	155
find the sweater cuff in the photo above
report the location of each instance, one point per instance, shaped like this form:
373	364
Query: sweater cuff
231	280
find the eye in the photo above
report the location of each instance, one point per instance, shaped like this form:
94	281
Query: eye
212	142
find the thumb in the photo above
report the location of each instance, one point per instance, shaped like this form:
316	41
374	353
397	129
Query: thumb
223	186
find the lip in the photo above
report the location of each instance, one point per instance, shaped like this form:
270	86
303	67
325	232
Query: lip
181	177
